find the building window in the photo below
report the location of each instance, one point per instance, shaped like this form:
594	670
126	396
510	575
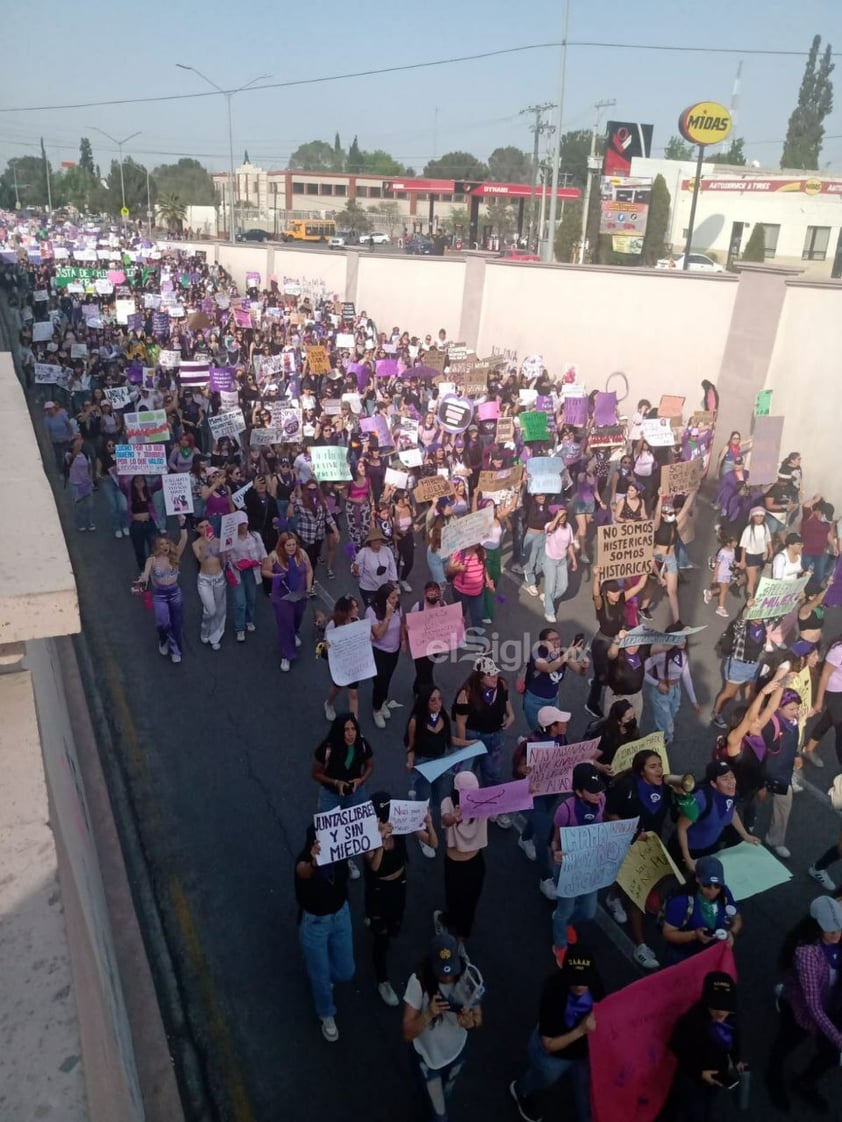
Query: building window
362	192
402	195
339	189
325	188
772	233
446	198
422	196
815	243
297	188
374	192
312	188
458	198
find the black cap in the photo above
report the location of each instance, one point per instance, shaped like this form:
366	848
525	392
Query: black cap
586	778
716	769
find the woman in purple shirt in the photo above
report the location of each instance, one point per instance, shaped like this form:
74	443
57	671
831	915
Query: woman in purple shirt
388	638
81	486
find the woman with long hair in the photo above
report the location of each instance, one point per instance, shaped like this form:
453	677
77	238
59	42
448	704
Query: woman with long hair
828	701
403	515
483	711
618	727
342	765
388	639
345	610
810	1003
359	500
106	470
211	584
289	569
466	568
161	573
142	528
244	560
429	736
667	670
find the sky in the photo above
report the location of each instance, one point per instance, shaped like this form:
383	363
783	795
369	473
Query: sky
87	52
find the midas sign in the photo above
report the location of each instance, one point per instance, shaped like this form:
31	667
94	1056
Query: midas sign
707	122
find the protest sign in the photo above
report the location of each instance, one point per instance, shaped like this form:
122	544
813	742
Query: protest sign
751	869
804	684
228	530
505	430
169	360
765	452
140	459
67	274
260	438
680	479
353	399
432	769
605	409
238	498
775	598
625	550
290	424
703	418
507	479
349	311
395	478
613	436
221	378
544	475
227	424
318	359
408	816
533	365
470	529
330	464
123	308
178	496
118	397
646	865
349	652
42	332
435	630
435	360
103	287
78	350
411	457
573	389
657	432
505	798
380	427
644	634
671	406
150	427
763	403
345	340
48	375
533	426
576	411
624	755
409	430
488	410
252	280
632	1064
228	400
592	855
331	406
431	488
552	764
475	380
342	834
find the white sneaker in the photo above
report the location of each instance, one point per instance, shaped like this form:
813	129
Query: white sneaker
385	710
427	850
502	821
215	646
250	627
644	956
330	712
241	636
782	852
549	618
176	658
297	641
405	586
379	719
823	877
118	533
531	589
707	595
547	888
528	847
353	869
164	648
618	913
388	994
329	1030
285	665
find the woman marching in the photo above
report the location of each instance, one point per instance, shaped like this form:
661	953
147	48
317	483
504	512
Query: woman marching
244	560
483	711
388	639
161	572
289	568
464	865
428	737
346	610
211	583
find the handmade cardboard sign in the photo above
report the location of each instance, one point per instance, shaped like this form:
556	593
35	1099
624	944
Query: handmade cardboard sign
625	550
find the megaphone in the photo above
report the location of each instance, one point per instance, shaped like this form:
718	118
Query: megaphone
685	783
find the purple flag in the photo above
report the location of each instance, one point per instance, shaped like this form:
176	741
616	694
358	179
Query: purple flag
576	411
222	378
387	368
833	596
605	409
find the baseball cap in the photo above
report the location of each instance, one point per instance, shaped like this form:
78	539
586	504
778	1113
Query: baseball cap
548	715
586	778
757	510
49	405
486	665
579	966
709	871
720	992
445	959
716	769
827	913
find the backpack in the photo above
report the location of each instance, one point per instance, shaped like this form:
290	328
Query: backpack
725	643
691	902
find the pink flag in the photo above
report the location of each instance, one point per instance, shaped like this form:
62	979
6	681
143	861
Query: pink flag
488	410
502	799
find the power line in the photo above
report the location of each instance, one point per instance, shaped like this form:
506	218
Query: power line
680	48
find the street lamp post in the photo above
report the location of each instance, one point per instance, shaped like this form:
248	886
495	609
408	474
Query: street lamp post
119	144
228	95
549	244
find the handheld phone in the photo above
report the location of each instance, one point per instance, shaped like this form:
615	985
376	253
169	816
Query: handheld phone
578	639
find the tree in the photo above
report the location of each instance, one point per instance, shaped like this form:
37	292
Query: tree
575	148
172	211
458	221
110	197
187	179
805	130
568	232
74	187
28	171
317	155
734	154
86	155
678	149
389	212
353	218
657	224
379	162
501	217
755	249
338	155
354	163
457	165
510	165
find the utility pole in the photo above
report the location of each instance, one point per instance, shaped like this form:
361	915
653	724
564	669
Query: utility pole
536	129
546	167
549	245
594	162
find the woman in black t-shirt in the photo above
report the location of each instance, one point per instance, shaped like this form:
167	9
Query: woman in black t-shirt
609	600
342	764
483	711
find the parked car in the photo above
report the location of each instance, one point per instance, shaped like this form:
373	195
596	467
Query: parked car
374	238
699	263
255	235
419	244
515	254
340	239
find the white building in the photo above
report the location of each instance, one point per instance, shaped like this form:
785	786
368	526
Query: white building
801	213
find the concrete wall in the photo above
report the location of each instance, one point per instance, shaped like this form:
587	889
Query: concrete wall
420	294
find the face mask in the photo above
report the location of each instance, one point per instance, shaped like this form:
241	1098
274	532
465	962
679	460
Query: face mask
669	518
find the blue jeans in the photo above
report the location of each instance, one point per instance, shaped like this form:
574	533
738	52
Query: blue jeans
330	800
489	765
242	600
820	567
435	563
474	605
83	512
545	1069
437	1082
555	583
117	504
572	909
534	545
532	703
539	828
664	708
328	947
435	791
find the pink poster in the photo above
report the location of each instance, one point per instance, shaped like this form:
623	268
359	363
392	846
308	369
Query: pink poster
576	411
506	798
632	1066
488	410
435	631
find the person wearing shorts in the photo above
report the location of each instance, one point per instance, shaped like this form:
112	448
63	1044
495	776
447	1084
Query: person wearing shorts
755	547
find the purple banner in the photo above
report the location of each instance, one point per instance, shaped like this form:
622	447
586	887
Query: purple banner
605	409
161	324
576	411
387	368
361	372
134	322
378	426
222	378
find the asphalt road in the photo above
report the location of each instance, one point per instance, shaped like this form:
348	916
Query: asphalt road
217	756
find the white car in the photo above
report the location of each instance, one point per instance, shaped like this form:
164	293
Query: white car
375	238
340	240
699	263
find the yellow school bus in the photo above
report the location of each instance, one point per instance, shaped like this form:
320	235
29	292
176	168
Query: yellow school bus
309	230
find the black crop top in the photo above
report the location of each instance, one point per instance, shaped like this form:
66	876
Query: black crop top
430	745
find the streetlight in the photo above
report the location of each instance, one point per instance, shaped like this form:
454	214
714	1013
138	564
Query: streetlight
119	144
228	95
549	244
